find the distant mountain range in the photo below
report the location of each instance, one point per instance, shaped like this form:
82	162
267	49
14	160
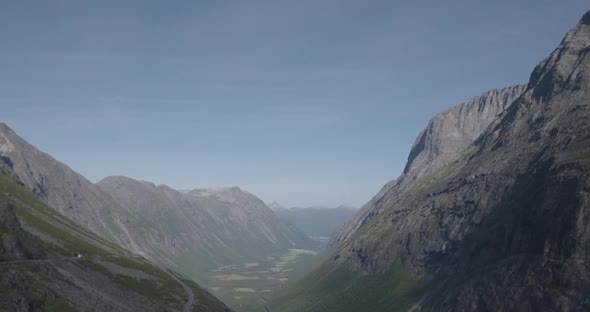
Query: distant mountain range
274	206
191	232
197	230
490	214
50	263
318	222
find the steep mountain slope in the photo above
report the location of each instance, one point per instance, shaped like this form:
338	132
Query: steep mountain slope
62	188
202	229
317	222
450	132
505	227
188	231
447	135
40	269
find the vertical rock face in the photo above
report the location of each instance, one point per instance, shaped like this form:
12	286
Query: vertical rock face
447	135
506	225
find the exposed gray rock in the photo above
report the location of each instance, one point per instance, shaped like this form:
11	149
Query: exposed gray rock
503	227
445	138
15	243
507	224
450	132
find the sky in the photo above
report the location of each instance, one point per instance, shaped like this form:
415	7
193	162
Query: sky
300	102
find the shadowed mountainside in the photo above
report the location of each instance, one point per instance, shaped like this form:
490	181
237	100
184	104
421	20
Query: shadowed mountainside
504	226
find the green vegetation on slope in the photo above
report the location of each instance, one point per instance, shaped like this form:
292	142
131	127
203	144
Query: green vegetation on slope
345	289
246	286
106	277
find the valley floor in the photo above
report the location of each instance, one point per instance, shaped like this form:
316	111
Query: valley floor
245	286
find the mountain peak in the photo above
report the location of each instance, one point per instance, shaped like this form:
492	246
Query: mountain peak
118	179
560	70
444	139
231	194
9	140
274	206
450	132
505	217
217	190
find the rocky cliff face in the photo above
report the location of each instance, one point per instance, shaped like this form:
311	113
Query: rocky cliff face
504	227
16	243
445	138
450	132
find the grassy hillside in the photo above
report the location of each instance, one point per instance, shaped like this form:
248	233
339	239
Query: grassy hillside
346	289
40	269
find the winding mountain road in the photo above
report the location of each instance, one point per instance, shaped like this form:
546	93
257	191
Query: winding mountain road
189	292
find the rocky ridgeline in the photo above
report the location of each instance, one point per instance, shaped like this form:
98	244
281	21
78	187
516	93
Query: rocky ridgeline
211	227
492	212
503	222
445	138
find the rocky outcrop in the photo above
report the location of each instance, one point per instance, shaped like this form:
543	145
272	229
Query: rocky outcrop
15	243
445	138
511	215
450	132
504	227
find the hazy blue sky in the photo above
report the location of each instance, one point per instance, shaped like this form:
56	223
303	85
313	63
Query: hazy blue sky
303	102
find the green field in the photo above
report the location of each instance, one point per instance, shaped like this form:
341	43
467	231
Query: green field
245	286
347	289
